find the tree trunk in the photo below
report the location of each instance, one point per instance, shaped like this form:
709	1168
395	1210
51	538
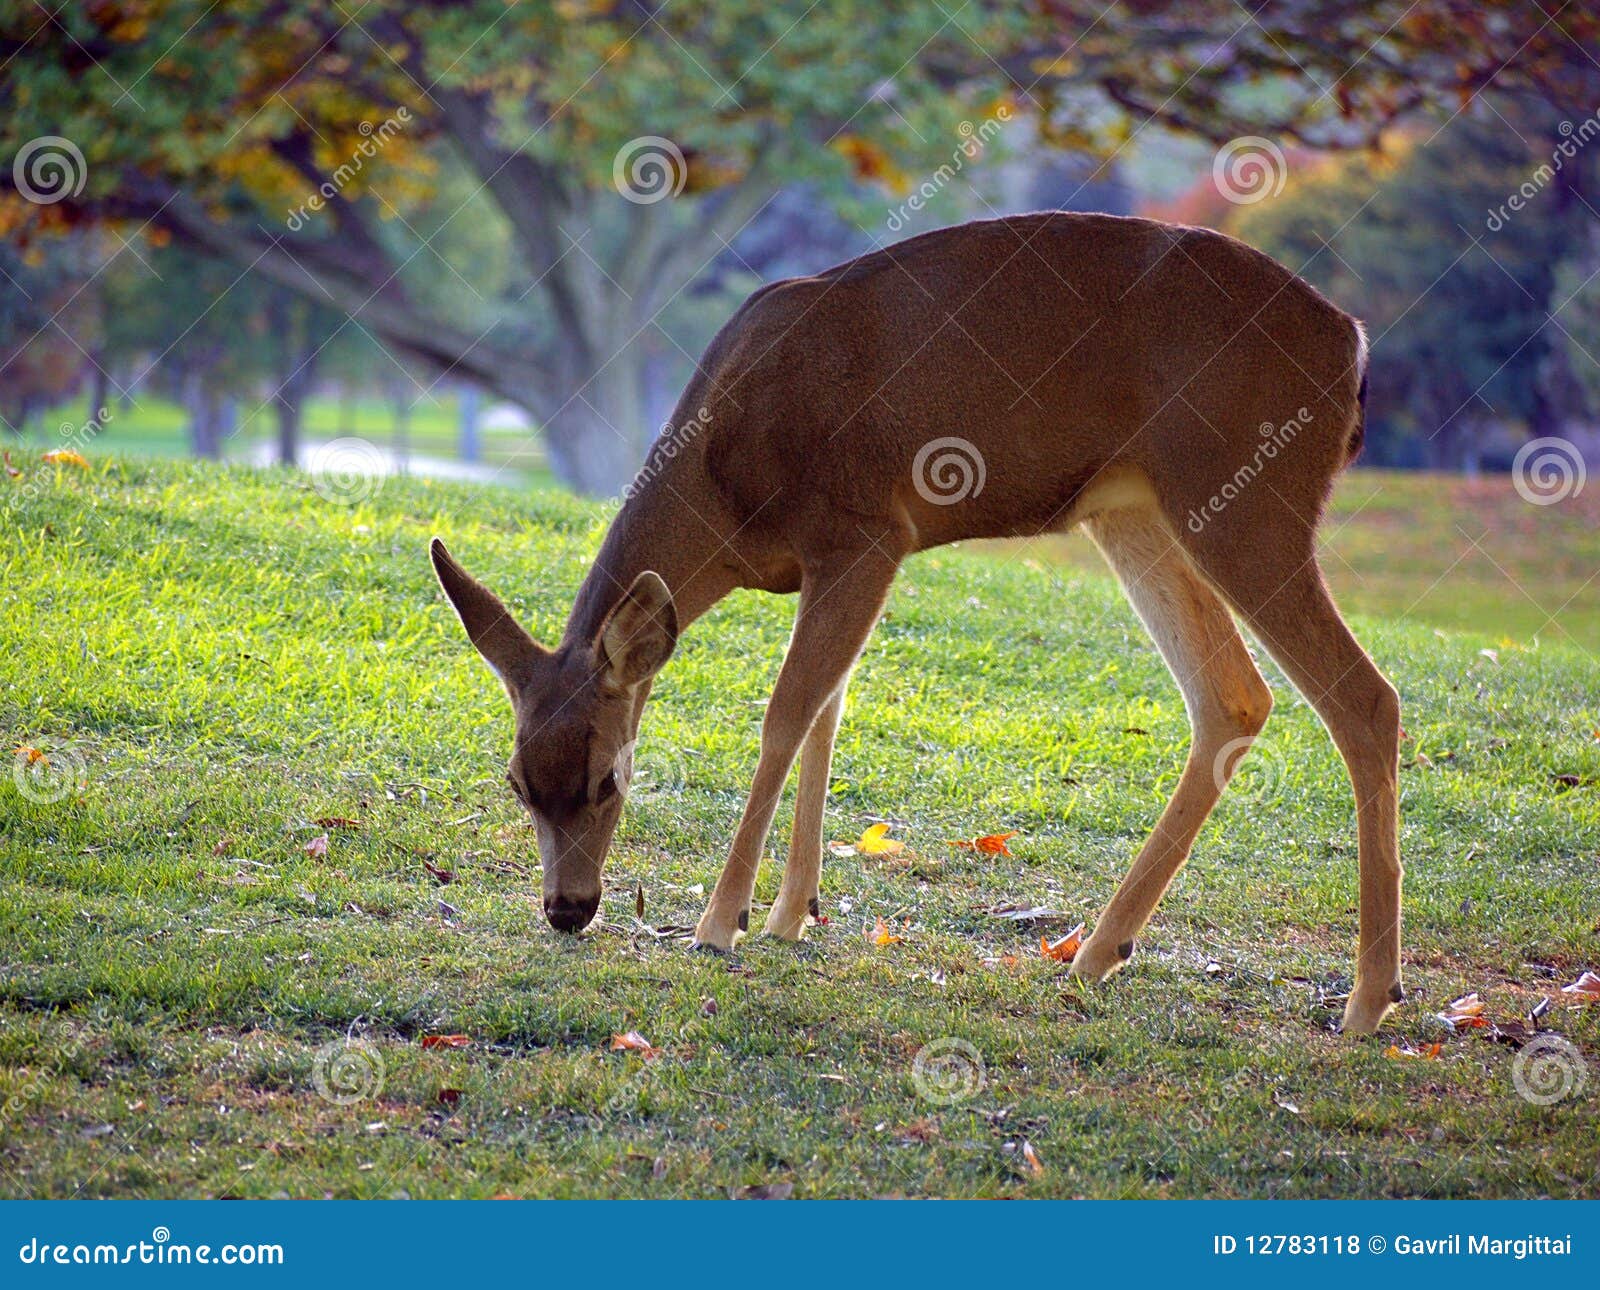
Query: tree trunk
289	402
205	420
469	404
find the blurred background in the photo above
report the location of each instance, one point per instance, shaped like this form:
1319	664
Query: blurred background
487	240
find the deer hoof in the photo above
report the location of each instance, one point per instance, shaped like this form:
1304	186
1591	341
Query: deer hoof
1365	1010
786	924
716	936
1097	959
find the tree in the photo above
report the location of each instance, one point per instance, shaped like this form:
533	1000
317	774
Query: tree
1456	301
307	160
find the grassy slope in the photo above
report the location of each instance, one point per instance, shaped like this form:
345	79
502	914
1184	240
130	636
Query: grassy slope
231	657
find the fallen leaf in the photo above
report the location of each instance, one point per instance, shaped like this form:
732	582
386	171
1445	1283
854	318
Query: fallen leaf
1030	1157
634	1042
318	846
1588	984
993	844
1065	949
444	877
1465	1013
32	754
10	469
881	935
446	1041
337	822
1024	913
449	1096
66	457
1428	1053
875	841
638	900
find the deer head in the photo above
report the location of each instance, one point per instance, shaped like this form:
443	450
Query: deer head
577	712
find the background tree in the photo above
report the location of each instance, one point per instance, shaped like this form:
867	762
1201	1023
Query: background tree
306	160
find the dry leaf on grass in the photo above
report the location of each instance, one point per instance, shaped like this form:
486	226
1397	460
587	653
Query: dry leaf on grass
634	1042
993	844
10	469
1429	1052
875	841
1065	949
881	935
444	877
1587	985
336	822
446	1041
1465	1013
318	846
66	457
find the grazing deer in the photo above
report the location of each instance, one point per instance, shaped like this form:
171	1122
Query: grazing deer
1013	376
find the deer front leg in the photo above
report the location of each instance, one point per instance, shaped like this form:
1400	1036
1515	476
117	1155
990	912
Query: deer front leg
839	604
797	895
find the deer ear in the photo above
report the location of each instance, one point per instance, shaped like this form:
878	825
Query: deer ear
639	634
505	646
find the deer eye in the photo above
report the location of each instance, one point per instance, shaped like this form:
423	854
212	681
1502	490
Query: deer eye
516	789
607	788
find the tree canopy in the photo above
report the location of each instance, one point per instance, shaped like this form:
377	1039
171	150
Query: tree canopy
351	153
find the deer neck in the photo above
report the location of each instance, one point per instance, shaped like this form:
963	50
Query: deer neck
663	527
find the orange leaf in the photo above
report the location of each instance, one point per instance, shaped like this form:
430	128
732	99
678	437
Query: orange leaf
446	1041
1031	1158
875	841
993	844
318	846
1587	984
1064	950
634	1042
32	754
66	457
1427	1054
1465	1013
881	935
337	822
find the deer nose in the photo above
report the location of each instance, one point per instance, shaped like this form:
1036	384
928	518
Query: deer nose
567	915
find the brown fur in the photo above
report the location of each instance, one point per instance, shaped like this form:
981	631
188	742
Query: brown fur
1120	373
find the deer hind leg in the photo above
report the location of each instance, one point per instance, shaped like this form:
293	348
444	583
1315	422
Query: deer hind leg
797	895
1278	589
839	605
1226	699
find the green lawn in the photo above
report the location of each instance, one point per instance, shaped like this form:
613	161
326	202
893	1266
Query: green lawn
213	659
151	426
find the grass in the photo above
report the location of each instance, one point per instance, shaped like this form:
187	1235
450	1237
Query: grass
151	426
226	657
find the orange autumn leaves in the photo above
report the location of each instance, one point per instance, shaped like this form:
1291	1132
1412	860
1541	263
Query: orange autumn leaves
54	457
875	841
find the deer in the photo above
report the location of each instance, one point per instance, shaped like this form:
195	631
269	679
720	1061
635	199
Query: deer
1004	378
